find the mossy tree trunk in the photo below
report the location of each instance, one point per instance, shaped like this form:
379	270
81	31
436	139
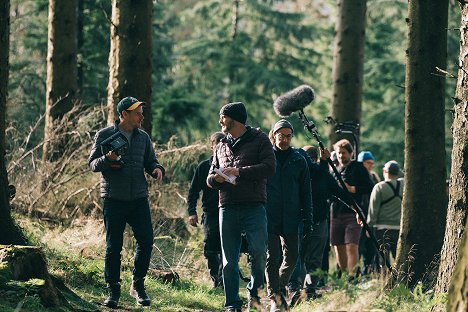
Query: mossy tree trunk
9	232
27	263
424	204
62	74
458	293
130	56
458	191
348	62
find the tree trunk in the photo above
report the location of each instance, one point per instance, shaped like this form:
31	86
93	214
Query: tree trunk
23	263
348	62
9	232
458	197
61	85
130	56
457	300
424	204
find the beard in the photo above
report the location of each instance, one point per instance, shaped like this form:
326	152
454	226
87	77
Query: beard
227	126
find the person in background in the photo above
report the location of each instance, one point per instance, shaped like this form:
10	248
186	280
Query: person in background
247	155
344	230
323	185
124	190
367	250
289	203
385	209
368	159
210	216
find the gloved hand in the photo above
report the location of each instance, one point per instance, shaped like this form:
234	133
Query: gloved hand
306	240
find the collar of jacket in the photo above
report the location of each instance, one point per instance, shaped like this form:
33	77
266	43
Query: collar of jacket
116	128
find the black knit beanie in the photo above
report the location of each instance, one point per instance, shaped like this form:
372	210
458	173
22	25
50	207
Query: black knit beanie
282	123
236	111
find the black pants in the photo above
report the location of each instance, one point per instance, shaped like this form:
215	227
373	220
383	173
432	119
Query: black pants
282	255
117	214
212	246
387	240
367	251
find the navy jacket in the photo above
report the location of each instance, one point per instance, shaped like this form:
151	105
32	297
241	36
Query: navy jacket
210	196
289	195
129	182
324	186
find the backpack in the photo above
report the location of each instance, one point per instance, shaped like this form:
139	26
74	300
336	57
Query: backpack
396	192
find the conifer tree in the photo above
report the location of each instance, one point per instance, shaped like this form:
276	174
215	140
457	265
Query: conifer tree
424	203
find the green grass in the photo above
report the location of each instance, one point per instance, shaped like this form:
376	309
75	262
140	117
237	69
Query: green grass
75	256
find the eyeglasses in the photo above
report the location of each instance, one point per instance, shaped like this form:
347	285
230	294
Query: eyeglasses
285	136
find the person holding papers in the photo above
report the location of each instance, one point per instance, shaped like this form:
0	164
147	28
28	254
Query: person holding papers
247	154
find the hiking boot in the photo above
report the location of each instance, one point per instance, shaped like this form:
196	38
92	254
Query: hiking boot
278	303
294	296
253	302
137	291
113	291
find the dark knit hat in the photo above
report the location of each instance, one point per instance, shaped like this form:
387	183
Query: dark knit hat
236	111
282	123
392	167
128	103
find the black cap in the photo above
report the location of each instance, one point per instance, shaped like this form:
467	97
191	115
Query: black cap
128	103
236	111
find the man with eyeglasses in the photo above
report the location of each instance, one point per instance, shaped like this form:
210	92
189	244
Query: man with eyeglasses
124	190
289	203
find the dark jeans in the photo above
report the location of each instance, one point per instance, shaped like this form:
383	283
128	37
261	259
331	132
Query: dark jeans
117	214
212	246
282	255
387	240
314	256
235	219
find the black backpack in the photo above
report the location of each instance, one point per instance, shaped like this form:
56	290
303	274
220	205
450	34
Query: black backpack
396	192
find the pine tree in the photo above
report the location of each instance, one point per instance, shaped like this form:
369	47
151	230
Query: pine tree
424	201
62	82
9	232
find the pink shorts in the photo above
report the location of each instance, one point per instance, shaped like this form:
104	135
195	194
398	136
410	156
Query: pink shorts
344	230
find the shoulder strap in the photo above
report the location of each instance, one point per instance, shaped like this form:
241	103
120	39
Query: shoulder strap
396	192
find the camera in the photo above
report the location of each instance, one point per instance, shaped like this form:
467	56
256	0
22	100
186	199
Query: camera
116	143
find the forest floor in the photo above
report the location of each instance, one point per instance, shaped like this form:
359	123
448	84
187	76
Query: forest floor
75	256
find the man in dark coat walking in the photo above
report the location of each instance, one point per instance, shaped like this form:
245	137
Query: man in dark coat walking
289	203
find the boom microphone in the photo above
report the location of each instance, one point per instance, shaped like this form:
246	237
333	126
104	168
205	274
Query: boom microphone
294	100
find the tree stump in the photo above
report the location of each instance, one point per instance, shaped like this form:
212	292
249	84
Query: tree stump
27	263
165	275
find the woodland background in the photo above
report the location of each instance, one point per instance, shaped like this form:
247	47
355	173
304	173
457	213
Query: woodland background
186	59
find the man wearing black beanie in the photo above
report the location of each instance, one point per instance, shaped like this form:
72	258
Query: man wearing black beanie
245	157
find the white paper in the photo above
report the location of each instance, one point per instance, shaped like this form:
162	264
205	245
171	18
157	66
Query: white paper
229	178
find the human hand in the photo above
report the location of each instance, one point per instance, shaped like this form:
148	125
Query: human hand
219	178
231	171
157	174
193	220
324	154
359	221
351	188
112	156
